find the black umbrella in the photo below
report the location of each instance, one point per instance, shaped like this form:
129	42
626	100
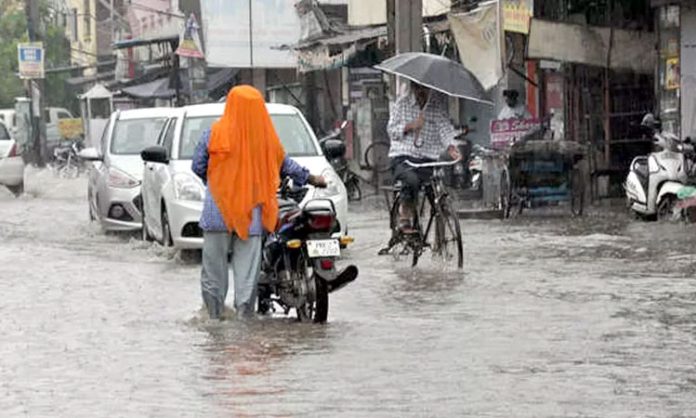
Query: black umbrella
437	73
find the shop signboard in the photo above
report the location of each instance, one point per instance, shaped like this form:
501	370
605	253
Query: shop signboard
504	132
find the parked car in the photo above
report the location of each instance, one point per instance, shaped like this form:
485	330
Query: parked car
9	118
11	163
115	175
173	195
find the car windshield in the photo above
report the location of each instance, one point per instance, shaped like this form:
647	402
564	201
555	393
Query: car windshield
292	131
131	136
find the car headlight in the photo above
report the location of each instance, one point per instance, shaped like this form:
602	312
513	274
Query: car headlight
120	179
334	185
187	187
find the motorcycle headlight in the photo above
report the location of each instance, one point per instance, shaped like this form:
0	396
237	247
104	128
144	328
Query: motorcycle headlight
121	180
186	187
334	185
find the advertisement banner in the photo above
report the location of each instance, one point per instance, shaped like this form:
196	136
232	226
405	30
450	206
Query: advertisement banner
70	128
479	43
672	74
516	15
505	132
190	42
31	60
248	34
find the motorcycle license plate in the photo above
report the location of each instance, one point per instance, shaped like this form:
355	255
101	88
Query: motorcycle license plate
323	248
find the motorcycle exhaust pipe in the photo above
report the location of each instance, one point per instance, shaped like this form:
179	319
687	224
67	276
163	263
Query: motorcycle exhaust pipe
346	276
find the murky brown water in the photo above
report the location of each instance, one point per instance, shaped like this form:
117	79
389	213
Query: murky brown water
551	318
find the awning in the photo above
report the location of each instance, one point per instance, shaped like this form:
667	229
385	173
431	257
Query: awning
589	45
132	43
346	37
160	88
97	92
78	81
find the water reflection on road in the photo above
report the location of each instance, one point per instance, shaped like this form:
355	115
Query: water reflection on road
551	317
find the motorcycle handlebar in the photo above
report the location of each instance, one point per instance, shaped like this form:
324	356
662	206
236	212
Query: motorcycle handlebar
435	164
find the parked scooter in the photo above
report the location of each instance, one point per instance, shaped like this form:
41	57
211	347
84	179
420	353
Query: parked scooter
654	181
340	165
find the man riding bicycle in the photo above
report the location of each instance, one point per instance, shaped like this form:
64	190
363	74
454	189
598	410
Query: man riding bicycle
419	130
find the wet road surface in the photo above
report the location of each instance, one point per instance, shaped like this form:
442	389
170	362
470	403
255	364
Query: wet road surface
551	317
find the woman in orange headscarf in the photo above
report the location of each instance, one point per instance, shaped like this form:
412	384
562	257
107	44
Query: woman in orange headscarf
241	159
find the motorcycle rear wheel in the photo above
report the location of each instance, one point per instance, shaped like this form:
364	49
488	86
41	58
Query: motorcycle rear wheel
317	311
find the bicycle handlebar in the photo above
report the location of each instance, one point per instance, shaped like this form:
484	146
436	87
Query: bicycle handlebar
435	164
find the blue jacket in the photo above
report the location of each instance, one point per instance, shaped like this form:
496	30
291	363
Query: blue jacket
211	219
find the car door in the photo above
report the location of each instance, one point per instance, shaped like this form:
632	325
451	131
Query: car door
6	141
157	175
98	172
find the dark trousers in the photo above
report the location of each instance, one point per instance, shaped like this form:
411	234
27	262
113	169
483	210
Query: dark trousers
411	178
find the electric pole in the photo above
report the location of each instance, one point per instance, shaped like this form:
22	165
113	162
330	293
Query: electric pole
35	88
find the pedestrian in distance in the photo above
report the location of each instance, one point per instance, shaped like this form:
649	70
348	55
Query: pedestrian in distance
241	160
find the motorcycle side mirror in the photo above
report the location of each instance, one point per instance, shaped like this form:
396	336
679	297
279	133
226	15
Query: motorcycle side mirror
155	154
333	148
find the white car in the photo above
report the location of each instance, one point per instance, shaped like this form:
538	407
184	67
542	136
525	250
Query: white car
173	195
11	163
113	191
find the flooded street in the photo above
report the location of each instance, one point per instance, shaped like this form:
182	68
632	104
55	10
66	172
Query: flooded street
551	317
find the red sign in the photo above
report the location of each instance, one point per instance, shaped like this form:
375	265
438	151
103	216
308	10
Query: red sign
504	132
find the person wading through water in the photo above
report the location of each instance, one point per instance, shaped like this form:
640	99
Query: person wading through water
241	161
419	129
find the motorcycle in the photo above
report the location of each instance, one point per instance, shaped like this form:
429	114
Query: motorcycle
66	159
340	165
298	269
654	181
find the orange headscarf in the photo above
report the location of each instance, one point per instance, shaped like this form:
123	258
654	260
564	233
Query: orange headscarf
245	161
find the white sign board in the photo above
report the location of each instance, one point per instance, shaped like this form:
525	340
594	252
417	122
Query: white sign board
31	60
232	42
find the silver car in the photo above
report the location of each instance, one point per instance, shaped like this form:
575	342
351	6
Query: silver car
116	173
11	163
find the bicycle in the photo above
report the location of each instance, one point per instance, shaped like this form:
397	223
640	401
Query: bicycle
442	220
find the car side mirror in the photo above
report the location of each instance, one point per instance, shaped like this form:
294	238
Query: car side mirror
90	154
155	154
333	148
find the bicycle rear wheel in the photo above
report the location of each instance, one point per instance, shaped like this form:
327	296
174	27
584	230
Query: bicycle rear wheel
377	157
448	235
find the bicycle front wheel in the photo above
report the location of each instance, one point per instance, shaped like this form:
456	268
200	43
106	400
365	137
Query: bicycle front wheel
448	235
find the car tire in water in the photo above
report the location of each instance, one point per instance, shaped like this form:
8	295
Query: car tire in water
17	190
166	230
145	234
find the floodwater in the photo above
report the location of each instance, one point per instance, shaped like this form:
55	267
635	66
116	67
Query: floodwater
551	317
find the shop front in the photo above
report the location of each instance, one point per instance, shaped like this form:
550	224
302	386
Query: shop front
676	67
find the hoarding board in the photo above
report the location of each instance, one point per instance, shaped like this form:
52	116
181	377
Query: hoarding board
234	40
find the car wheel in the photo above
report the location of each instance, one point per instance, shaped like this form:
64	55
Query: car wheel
17	190
166	230
145	233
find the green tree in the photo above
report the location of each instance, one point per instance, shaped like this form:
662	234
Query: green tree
13	30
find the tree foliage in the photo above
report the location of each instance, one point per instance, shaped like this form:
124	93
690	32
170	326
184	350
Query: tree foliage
13	30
